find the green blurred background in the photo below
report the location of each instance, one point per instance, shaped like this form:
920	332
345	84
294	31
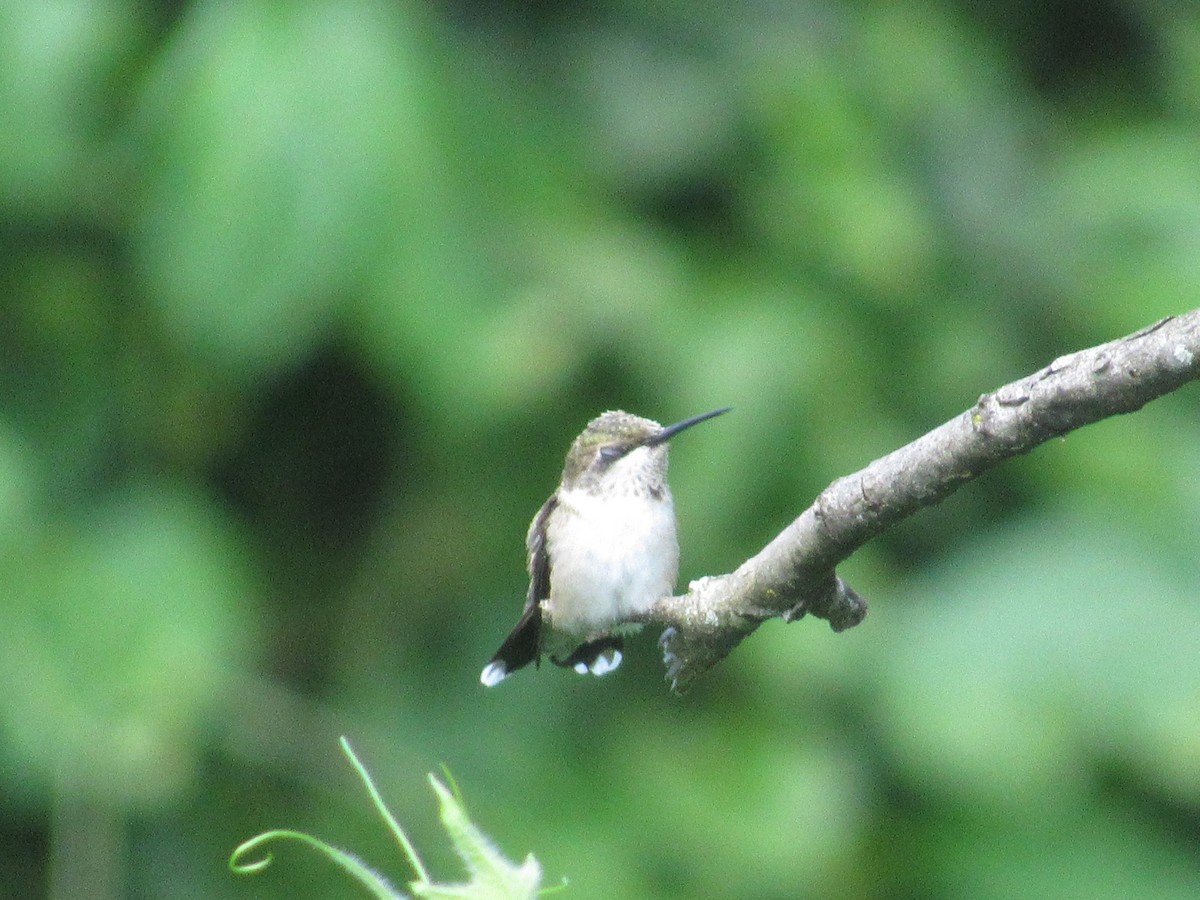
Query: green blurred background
301	304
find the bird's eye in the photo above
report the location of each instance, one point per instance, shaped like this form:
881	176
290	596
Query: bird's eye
609	453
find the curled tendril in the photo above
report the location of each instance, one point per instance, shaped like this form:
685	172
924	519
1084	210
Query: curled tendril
373	881
246	847
491	874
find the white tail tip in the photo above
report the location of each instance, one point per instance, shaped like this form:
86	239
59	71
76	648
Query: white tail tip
606	662
493	674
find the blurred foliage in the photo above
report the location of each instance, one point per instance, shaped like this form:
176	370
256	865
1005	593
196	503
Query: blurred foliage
303	302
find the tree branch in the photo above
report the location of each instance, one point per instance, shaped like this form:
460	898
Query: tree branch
795	575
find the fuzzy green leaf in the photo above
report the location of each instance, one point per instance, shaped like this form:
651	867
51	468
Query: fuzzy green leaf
493	877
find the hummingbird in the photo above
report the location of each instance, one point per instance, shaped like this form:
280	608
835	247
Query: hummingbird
601	550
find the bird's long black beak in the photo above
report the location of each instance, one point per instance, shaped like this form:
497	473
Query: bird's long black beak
671	430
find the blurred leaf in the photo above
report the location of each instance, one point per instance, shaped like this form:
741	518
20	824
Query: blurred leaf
1124	207
277	140
727	791
1046	648
117	639
836	189
18	486
1089	853
55	59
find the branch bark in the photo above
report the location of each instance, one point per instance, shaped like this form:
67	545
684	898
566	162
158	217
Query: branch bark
795	574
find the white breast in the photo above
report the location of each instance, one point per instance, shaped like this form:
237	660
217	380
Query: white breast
609	557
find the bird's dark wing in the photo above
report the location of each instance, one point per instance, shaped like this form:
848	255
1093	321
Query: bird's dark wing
523	644
539	555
